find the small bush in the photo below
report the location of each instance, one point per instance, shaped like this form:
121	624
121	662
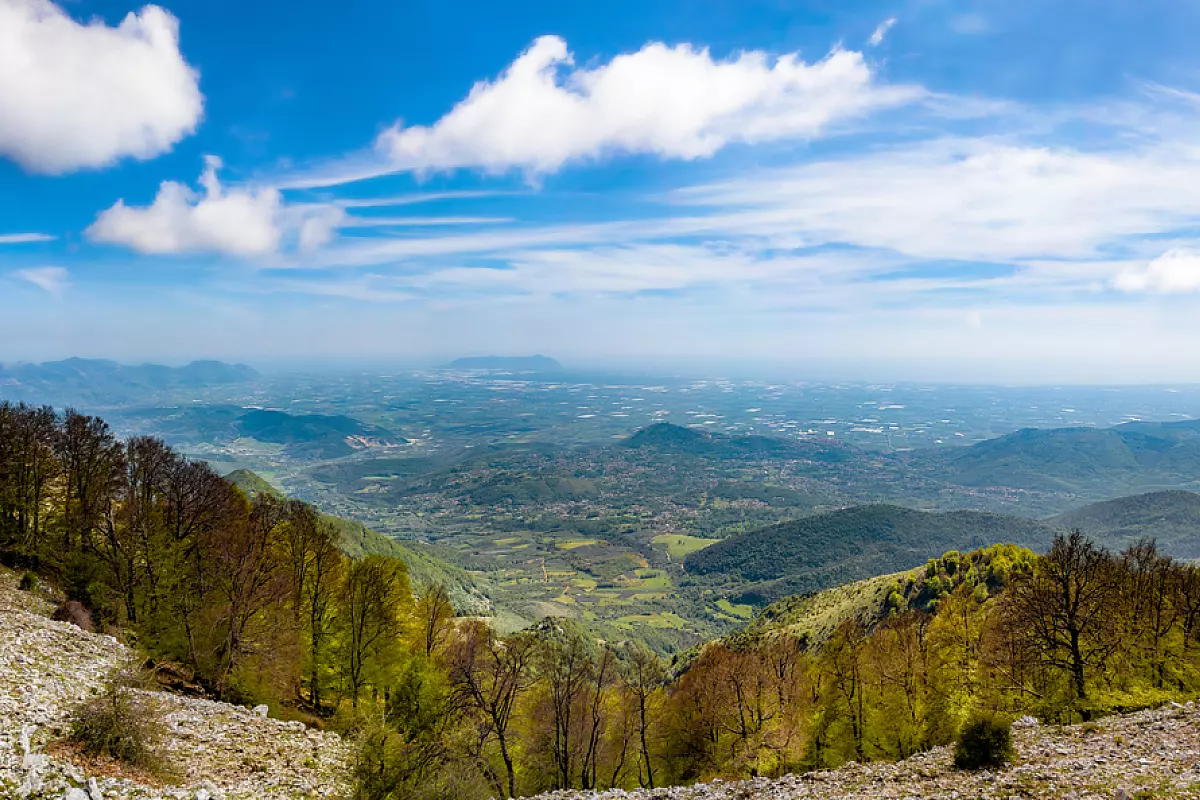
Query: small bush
985	742
29	582
122	724
81	579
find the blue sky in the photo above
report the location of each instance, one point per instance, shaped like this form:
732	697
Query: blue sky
926	190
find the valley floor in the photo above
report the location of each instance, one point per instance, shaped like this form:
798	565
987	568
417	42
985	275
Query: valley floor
218	750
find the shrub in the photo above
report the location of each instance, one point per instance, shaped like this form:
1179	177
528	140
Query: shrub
29	582
81	574
984	742
378	764
121	723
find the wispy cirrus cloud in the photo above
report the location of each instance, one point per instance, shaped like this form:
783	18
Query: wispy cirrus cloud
54	280
974	198
25	238
881	31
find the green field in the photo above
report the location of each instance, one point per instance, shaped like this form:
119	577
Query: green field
741	611
574	543
679	546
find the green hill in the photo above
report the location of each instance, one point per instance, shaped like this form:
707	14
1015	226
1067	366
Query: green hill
1170	517
425	568
252	484
311	435
814	617
306	436
814	553
667	437
1088	461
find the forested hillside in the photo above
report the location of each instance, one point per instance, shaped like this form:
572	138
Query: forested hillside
817	552
1086	461
426	569
1172	518
670	438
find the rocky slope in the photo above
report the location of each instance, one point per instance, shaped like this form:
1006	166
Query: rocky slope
217	750
1152	754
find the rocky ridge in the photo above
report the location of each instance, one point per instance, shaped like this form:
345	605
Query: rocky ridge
219	751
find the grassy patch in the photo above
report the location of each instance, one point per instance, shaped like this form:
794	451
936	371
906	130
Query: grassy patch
663	621
680	546
652	579
738	611
574	543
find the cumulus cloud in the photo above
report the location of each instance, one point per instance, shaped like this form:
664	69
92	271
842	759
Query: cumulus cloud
84	95
242	222
1176	271
51	279
880	32
673	102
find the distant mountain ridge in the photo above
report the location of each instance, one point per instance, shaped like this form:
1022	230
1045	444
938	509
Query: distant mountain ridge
102	379
534	363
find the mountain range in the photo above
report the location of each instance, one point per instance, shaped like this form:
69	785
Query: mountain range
98	380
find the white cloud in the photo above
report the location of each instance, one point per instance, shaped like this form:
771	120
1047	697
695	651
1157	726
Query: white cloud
24	238
660	268
881	31
51	279
315	226
1176	271
978	199
75	96
240	222
674	102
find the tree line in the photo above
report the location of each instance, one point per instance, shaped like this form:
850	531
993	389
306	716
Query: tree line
252	598
255	598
